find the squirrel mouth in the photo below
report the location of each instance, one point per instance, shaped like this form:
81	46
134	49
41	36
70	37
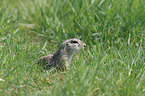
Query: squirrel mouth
84	45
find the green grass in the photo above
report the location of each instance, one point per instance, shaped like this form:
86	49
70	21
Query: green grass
112	63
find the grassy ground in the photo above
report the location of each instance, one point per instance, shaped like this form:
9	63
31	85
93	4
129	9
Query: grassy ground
112	64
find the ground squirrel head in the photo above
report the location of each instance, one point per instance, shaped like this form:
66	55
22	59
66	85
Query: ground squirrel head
72	46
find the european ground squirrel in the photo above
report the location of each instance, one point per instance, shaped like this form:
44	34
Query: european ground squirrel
61	59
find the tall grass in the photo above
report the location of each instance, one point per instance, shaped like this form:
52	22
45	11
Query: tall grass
111	64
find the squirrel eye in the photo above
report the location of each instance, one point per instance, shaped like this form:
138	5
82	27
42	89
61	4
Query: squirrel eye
66	44
74	41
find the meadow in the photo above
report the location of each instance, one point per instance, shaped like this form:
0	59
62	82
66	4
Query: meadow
112	64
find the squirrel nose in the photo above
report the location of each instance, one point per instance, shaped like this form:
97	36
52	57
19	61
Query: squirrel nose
84	45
